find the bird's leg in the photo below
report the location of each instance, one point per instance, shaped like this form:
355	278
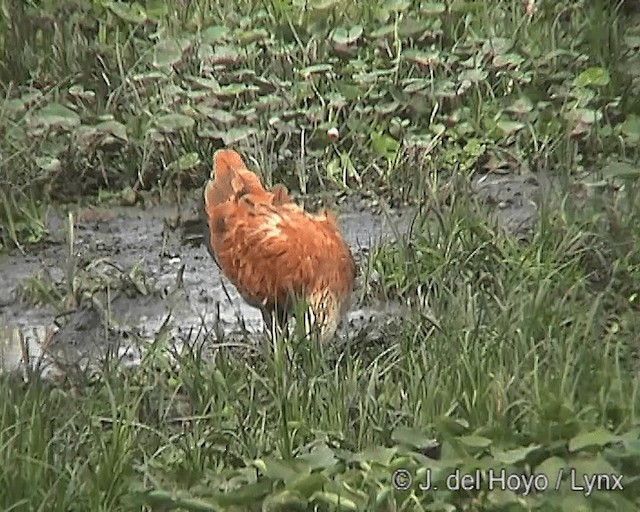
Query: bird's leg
275	320
305	318
268	319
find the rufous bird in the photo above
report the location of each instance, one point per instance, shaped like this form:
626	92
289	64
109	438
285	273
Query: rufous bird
273	251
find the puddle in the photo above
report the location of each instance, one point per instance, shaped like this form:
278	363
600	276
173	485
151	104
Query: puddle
117	239
515	198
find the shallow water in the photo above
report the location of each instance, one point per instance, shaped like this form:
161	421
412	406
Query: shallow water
112	241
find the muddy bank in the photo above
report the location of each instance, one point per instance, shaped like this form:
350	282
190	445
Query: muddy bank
128	277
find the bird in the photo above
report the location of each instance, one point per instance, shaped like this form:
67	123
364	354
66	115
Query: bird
276	254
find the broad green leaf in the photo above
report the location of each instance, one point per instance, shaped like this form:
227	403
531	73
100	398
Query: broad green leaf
382	32
585	116
322	457
156	9
55	115
632	447
386	108
14	106
396	5
279	469
270	102
49	164
346	36
221	116
136	277
510	127
599	437
385	145
508	60
234	135
514	456
252	36
233	90
205	52
497	45
131	12
229	136
306	485
583	96
553	468
148	77
440	506
575	502
214	34
631	127
473	75
379	455
431	58
592	76
114	128
411	27
31	98
632	41
206	83
502	498
587	467
323	5
413	437
437	129
79	92
520	106
284	501
224	54
475	441
171	123
334	500
619	169
416	85
167	53
451	426
246	495
186	162
433	8
315	68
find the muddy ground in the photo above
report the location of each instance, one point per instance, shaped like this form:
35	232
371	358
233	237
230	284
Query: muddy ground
128	262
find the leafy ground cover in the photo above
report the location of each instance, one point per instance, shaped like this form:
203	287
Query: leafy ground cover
516	351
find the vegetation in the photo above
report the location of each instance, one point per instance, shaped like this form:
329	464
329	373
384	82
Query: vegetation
515	353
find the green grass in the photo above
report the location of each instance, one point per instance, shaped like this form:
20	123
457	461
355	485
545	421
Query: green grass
515	354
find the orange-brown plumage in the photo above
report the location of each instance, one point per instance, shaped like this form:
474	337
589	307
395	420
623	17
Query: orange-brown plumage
272	250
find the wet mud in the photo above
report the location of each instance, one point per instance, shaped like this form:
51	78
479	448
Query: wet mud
143	271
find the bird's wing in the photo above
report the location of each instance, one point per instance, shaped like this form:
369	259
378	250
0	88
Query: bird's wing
273	252
230	180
